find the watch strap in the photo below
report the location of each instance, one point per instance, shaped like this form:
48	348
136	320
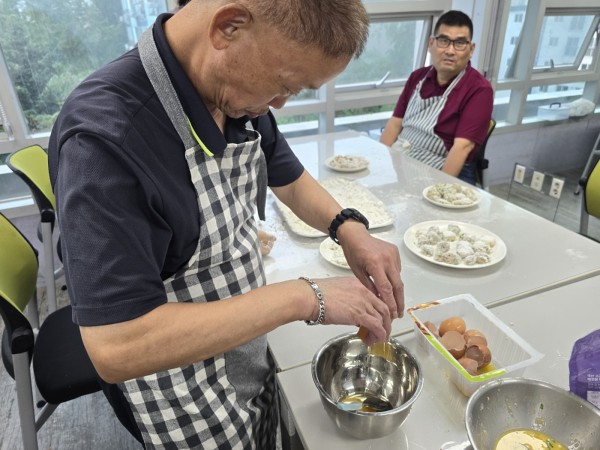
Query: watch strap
345	214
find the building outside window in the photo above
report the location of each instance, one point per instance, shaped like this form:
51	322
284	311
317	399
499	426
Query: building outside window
564	66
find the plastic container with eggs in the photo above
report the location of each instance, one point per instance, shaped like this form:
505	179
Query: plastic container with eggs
501	353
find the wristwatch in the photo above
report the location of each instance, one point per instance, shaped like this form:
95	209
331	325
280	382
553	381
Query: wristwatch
345	214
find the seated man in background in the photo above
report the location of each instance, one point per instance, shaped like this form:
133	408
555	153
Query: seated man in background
444	111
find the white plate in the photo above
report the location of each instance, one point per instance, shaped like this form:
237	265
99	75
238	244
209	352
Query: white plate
333	253
496	255
349	194
448	204
347	163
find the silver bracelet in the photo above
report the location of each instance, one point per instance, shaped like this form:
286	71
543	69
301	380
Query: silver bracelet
320	298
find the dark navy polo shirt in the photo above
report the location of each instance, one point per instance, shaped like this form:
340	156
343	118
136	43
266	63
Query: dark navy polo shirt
127	209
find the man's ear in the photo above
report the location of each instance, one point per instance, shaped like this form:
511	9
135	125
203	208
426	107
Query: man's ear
430	43
225	24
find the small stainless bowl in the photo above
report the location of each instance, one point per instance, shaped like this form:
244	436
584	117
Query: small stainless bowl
510	403
344	367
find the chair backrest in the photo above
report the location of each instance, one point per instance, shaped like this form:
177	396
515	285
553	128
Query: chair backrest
481	163
18	275
31	165
592	192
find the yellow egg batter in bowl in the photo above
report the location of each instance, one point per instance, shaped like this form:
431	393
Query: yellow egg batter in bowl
525	414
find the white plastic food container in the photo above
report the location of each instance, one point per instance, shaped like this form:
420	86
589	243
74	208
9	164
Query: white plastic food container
511	354
554	111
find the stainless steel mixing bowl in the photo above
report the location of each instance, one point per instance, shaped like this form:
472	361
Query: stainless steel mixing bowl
344	367
511	403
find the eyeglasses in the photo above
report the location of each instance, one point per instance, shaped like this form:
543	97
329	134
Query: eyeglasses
444	42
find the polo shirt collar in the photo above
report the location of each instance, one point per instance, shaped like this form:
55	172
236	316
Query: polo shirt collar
192	103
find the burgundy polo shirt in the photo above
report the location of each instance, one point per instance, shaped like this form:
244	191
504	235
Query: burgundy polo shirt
467	112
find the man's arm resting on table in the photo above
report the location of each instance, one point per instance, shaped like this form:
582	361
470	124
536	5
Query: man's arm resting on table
391	131
457	156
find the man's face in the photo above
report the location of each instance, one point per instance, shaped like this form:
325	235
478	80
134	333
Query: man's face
449	61
266	72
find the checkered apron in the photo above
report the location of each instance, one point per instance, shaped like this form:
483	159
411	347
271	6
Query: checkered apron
227	401
419	121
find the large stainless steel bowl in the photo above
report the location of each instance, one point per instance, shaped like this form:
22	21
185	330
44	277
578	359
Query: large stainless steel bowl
344	367
511	403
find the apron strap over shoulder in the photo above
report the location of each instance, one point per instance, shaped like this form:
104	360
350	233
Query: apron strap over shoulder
159	77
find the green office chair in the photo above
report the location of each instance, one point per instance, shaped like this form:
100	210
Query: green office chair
62	370
481	163
590	203
31	165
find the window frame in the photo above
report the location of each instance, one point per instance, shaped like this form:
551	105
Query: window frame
524	77
583	47
332	98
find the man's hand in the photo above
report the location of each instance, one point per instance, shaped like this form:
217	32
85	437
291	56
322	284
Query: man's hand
375	263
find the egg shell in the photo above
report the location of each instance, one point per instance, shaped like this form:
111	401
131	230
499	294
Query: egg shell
469	364
433	329
480	353
472	332
454	342
452	324
475	340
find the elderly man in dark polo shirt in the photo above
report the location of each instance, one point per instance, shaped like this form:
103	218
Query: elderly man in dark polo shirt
160	161
444	111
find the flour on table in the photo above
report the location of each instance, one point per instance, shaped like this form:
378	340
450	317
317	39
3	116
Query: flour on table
349	194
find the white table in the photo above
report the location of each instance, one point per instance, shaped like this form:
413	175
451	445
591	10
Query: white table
541	255
550	321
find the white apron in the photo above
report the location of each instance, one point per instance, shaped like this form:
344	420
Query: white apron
417	126
227	401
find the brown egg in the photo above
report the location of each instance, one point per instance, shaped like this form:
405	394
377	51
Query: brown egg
454	342
432	329
452	324
475	340
480	353
469	364
472	333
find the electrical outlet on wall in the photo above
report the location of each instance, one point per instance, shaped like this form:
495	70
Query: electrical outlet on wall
556	187
537	181
519	173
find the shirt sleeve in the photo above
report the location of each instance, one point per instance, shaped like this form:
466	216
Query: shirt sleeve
475	116
113	239
283	165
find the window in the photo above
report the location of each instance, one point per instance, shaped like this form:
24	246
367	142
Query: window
394	49
5	130
364	94
46	49
565	55
572	46
554	60
49	47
